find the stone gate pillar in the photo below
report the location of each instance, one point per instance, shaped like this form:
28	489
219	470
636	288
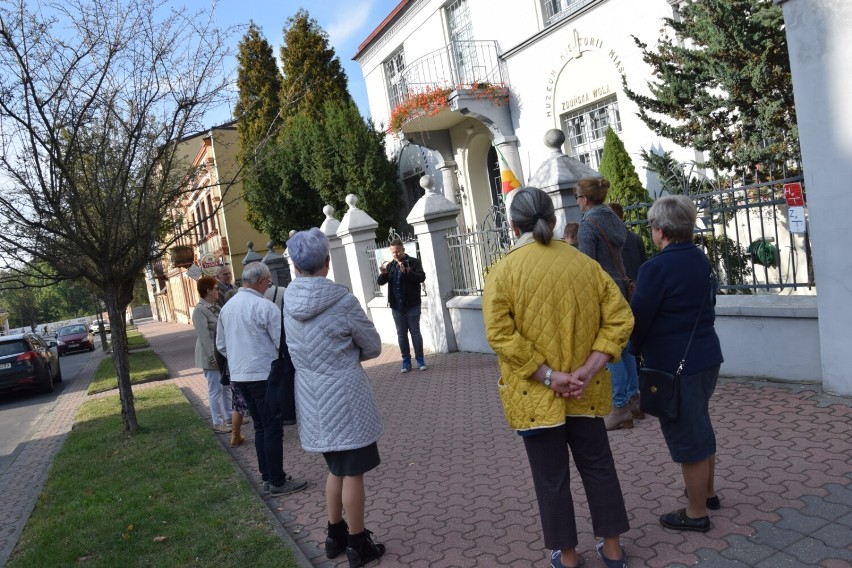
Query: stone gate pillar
357	232
432	217
339	271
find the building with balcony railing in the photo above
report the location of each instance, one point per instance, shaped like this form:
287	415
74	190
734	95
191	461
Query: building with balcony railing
468	88
212	220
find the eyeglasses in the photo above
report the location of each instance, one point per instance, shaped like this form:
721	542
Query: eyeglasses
269	281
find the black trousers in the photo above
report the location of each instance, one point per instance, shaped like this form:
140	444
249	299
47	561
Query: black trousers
548	453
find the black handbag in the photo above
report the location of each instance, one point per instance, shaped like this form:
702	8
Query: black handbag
281	383
659	391
222	363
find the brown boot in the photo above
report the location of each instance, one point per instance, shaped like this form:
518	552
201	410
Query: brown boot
634	407
620	417
236	438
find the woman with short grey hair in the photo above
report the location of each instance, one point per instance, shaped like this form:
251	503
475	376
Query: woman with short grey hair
675	289
329	335
675	216
309	252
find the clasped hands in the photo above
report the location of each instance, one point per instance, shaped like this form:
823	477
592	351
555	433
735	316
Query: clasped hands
570	385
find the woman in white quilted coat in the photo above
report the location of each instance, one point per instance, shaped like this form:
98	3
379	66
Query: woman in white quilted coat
328	335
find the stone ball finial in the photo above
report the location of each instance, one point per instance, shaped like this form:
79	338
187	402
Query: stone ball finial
291	233
427	184
553	139
352	201
328	210
250	245
269	246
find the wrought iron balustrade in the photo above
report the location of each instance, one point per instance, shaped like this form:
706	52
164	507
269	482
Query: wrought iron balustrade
459	65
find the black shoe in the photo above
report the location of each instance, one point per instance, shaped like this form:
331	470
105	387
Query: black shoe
362	549
337	539
680	522
712	503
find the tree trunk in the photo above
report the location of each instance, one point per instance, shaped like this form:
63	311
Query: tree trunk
116	307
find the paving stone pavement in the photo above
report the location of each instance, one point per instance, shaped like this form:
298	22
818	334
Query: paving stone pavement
454	487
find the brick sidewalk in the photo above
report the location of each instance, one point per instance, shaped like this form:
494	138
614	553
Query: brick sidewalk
454	487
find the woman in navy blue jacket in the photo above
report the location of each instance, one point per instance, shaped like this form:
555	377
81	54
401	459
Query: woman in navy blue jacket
670	291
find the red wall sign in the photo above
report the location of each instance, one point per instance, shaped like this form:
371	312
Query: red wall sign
794	195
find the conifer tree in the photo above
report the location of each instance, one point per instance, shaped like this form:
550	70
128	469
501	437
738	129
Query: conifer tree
259	85
617	167
723	84
323	149
312	72
257	112
292	204
360	165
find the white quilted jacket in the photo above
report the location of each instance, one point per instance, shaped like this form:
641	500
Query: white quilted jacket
328	335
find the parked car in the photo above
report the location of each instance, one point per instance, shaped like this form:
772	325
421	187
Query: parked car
26	361
75	337
96	328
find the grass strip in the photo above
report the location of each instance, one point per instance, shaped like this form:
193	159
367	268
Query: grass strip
135	340
145	366
165	496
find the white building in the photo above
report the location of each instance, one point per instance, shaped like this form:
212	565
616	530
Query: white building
515	69
561	63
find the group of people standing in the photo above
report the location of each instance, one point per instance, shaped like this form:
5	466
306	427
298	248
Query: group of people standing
566	339
320	329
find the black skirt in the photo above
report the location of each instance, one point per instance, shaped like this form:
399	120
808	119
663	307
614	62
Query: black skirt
348	463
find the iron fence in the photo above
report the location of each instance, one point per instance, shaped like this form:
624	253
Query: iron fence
743	230
461	64
472	253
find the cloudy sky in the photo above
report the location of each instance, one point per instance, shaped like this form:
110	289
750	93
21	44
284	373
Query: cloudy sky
347	22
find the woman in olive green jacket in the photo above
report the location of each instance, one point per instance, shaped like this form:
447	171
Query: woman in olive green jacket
555	318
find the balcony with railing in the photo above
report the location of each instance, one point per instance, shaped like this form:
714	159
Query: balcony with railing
213	243
443	81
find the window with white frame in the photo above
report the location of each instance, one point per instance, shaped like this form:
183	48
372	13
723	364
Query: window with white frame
460	31
394	79
585	129
556	10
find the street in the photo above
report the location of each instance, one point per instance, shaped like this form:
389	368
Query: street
22	412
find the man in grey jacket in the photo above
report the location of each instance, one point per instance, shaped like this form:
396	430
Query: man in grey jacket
248	334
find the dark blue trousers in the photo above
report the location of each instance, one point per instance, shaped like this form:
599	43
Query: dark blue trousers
268	432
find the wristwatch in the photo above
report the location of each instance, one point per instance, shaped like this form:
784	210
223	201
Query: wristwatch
547	375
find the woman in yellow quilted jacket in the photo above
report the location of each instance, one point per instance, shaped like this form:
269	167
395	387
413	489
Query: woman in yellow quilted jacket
555	318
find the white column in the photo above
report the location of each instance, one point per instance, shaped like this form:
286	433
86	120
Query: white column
821	63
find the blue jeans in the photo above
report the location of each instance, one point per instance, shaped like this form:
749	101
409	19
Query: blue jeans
268	432
625	379
408	321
